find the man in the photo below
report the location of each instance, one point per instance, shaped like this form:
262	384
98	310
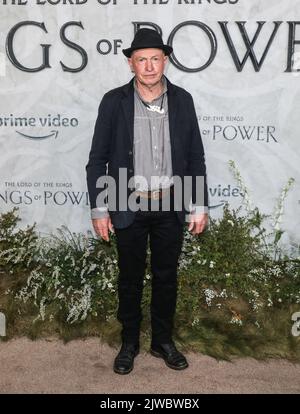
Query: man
147	128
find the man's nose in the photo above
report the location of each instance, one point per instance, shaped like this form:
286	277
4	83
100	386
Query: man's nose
149	65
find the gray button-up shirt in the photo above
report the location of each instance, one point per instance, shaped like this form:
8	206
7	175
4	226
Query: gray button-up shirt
151	147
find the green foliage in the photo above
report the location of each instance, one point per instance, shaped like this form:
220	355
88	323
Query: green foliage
237	289
18	247
74	274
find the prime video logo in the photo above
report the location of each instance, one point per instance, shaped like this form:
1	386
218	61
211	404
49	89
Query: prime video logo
221	194
2	324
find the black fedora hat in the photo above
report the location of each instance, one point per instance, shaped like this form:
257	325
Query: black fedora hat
145	39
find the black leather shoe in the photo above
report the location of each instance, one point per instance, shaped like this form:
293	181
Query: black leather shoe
172	357
124	360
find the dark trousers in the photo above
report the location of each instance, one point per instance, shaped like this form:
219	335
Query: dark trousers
166	235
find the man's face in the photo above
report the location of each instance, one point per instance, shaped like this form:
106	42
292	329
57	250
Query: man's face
148	65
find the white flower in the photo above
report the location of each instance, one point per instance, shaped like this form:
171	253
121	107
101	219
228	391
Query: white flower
237	321
209	295
243	189
195	322
223	294
43	309
278	211
92	268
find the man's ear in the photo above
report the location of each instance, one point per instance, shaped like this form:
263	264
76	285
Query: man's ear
129	60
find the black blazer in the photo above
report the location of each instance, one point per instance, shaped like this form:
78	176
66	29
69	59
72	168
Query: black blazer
112	144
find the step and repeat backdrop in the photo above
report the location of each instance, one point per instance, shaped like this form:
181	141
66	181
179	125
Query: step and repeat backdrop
240	59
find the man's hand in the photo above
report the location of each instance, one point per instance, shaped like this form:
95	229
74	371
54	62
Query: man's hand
198	222
101	227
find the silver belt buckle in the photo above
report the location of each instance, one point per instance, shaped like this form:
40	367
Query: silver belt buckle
155	194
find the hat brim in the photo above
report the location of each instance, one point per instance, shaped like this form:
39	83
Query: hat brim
167	49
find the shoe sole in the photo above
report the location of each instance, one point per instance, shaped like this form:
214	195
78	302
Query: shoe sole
158	355
123	372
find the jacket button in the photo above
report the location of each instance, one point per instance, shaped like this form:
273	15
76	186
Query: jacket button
131	171
130	152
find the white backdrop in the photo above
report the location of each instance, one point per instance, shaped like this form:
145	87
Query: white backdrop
45	177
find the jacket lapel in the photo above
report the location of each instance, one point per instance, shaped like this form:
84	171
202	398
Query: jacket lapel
172	105
128	109
172	110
